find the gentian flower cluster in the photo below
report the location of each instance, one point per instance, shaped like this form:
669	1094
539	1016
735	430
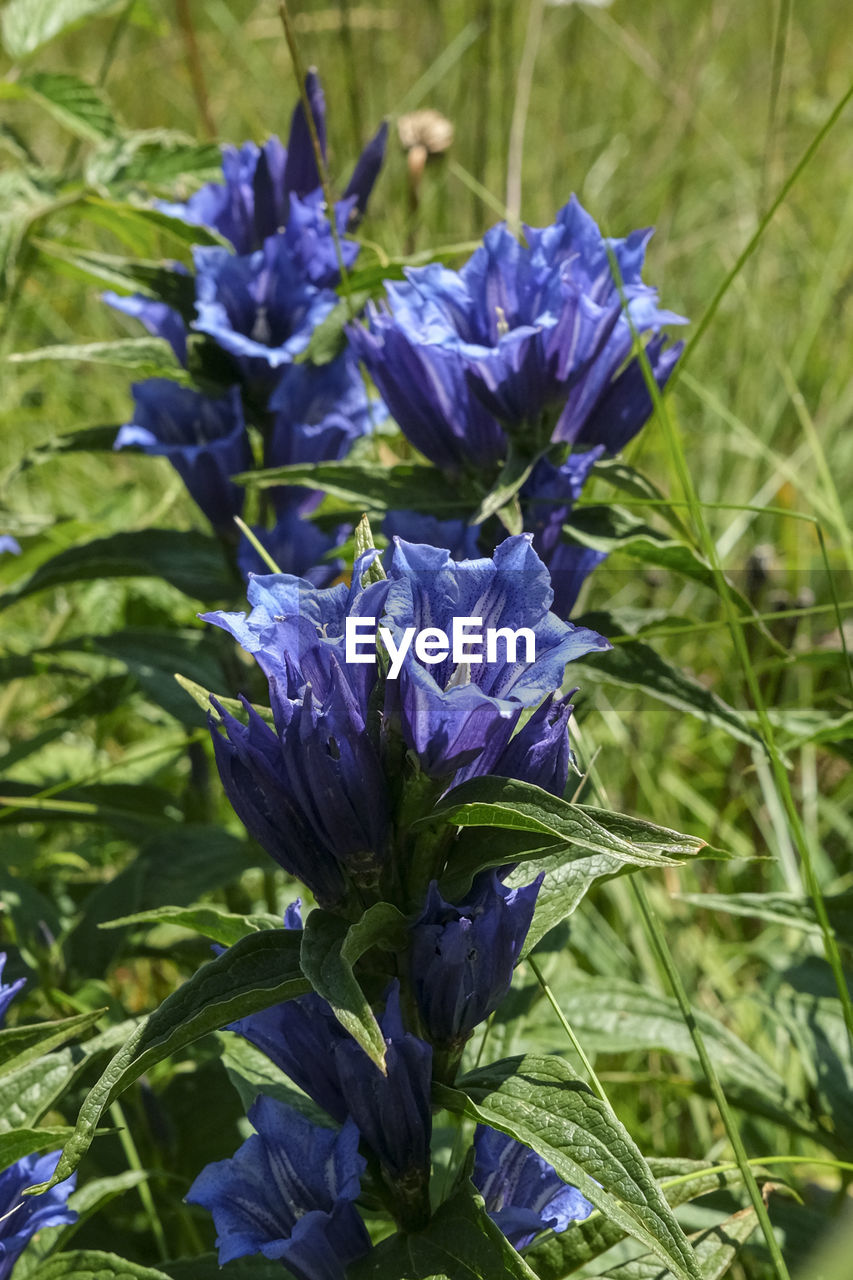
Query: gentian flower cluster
523	356
22	1216
256	306
334	781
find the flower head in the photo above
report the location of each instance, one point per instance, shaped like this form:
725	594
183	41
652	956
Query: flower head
260	307
526	340
524	1194
22	1216
315	789
204	439
288	1194
254	199
9	545
463	955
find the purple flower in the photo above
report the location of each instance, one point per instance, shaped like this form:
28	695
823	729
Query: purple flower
8	991
316	789
391	1109
297	546
9	545
253	201
524	1194
288	1194
22	1216
158	318
260	307
204	439
526	331
463	956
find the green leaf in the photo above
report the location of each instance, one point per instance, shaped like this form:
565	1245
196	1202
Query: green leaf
92	1264
369	486
329	338
617	1016
138	225
128	275
251	1072
158	156
716	1249
536	1101
180	863
680	1181
222	926
460	1243
190	561
28	24
329	970
19	1045
147	357
609	529
258	971
781	908
77	106
574	844
634	665
24	1142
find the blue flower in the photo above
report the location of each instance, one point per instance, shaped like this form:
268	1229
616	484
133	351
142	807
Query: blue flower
525	340
392	1109
204	439
9	545
316	789
253	202
297	546
8	991
22	1216
524	1194
319	412
288	1194
159	318
259	307
463	955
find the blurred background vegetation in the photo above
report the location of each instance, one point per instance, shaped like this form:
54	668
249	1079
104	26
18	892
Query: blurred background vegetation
683	114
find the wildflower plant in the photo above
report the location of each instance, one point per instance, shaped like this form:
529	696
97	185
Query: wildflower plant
393	730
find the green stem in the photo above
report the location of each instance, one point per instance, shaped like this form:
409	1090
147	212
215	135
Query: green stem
575	1043
132	1157
664	955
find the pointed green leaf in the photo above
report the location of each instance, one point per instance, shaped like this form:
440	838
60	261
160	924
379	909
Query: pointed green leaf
92	1264
716	1249
24	1142
128	275
537	1101
190	561
28	24
330	973
258	971
369	486
147	357
222	926
76	105
19	1045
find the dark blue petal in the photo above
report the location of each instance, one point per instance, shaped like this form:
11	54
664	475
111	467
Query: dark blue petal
524	1194
8	991
366	172
22	1216
158	317
288	1194
463	956
204	439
